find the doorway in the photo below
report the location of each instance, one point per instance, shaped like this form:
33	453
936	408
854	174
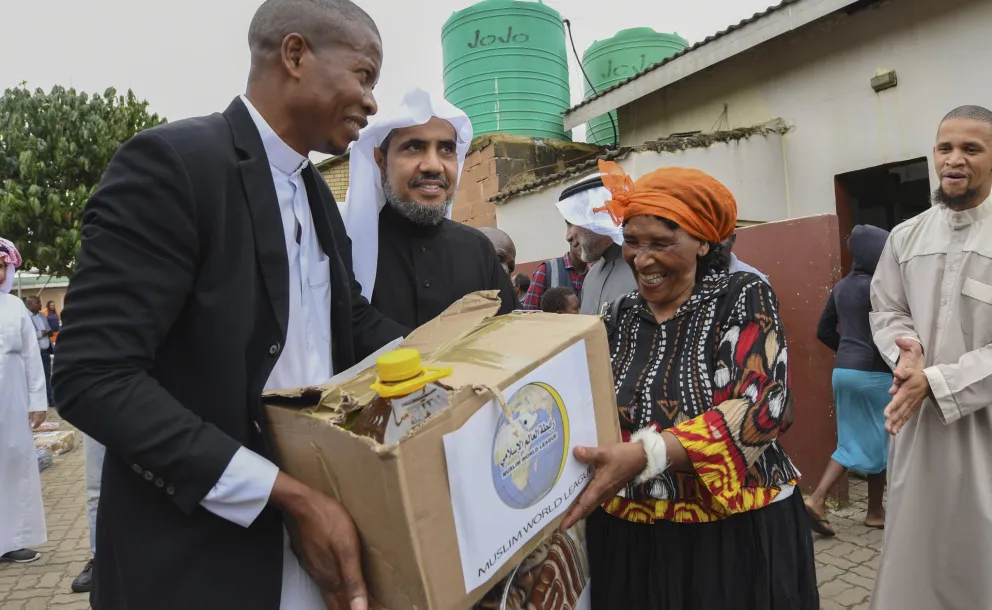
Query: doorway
883	196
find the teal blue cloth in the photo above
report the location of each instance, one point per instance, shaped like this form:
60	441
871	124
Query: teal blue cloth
860	398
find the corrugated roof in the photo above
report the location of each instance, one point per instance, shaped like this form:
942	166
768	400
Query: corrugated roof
552	179
770	10
671	144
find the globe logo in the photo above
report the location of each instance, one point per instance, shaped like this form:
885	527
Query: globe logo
529	448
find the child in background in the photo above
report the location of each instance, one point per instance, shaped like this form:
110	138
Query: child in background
560	299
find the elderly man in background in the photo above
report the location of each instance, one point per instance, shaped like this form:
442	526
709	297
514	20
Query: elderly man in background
410	258
598	241
506	250
932	301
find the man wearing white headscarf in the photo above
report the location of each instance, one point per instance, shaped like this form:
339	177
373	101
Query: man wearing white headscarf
23	407
411	259
598	241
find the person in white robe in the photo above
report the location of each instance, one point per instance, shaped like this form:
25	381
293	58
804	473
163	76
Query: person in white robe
23	406
366	198
932	321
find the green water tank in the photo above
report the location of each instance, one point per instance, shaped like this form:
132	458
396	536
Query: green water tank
506	67
607	62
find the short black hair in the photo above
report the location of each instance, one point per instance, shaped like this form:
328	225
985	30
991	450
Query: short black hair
320	22
555	299
522	282
974	113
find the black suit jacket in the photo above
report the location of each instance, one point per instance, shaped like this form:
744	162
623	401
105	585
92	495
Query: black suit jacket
174	320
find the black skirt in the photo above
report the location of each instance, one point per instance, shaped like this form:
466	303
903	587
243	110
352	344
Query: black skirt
758	560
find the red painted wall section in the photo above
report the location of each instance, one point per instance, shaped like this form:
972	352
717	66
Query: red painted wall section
802	259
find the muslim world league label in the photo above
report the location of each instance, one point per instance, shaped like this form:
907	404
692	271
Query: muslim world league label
513	474
529	449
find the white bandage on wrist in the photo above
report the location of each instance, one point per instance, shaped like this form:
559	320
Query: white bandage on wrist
654	450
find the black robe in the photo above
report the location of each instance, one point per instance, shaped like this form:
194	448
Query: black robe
423	270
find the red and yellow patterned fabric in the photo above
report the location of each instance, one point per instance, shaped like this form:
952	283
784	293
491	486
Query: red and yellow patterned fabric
716	376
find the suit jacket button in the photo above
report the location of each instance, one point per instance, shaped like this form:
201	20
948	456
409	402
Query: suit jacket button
273	349
257	426
427	283
149	476
170	490
159	483
136	468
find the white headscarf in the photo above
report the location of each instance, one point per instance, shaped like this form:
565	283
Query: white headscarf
365	198
578	210
11	256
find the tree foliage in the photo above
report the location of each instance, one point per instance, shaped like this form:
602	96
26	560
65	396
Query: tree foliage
54	147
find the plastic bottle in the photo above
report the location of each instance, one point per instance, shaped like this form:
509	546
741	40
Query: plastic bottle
408	394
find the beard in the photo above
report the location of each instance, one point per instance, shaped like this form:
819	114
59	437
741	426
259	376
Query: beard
956	202
420	214
590	248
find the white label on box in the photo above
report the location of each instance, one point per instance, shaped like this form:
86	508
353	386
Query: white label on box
511	477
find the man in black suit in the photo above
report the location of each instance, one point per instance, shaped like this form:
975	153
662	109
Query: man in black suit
155	363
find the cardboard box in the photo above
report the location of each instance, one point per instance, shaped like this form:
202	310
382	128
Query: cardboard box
399	496
59	442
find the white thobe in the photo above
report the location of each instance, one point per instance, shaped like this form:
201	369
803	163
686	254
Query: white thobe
22	389
933	284
244	487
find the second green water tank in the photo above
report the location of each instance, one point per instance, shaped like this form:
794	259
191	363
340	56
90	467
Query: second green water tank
506	67
607	62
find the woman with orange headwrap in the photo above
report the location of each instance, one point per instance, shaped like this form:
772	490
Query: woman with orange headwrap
698	508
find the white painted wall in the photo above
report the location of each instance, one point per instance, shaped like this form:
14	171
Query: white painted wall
818	80
753	170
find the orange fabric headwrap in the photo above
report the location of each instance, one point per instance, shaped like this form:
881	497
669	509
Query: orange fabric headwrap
694	200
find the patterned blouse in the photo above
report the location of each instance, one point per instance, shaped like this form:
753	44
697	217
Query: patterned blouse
716	376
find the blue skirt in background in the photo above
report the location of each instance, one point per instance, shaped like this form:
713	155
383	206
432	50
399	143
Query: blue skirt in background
860	398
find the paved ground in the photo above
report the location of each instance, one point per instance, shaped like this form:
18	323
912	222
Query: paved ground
45	583
845	565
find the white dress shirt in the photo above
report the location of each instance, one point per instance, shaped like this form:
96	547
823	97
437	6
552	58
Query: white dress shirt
42	327
244	487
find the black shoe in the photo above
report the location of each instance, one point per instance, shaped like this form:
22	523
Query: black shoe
84	581
21	556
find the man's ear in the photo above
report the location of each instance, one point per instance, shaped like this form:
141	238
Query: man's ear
380	160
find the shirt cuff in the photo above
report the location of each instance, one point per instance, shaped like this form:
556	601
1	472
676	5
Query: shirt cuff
243	489
947	407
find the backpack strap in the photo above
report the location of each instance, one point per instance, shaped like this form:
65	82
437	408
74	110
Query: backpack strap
554	273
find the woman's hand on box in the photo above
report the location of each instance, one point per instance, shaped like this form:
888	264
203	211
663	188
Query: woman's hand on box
614	466
325	540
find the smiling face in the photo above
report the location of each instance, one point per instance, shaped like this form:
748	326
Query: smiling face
330	97
663	260
963	160
420	167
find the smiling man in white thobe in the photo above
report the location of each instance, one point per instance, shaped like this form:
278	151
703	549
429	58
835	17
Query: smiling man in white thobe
932	319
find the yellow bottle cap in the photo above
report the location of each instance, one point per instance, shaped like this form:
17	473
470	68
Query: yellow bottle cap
404	371
399	365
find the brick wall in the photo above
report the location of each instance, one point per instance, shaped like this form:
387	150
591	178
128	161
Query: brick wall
496	161
335	173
